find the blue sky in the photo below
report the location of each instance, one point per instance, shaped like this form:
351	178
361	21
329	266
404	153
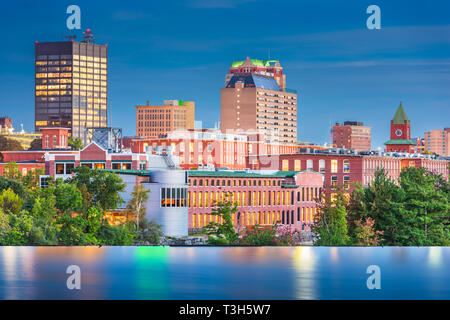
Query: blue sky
182	49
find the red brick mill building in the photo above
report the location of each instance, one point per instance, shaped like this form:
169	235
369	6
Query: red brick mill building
265	197
346	167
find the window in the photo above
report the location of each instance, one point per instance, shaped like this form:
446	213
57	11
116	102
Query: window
44	181
346	182
321	165
309	164
334	166
285	165
334	182
174	197
64	168
346	166
297	165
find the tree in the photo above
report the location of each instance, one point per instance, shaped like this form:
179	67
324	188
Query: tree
412	213
330	222
137	203
365	234
99	188
36	144
12	171
151	231
7	144
76	143
4	227
15	185
68	197
10	202
427	206
381	201
222	233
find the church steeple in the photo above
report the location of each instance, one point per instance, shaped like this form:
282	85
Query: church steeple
400	133
400	116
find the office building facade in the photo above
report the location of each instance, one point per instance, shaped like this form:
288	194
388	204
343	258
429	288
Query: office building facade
154	121
352	135
71	86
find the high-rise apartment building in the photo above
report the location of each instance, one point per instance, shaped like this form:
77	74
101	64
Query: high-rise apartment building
253	100
352	135
438	141
71	86
155	121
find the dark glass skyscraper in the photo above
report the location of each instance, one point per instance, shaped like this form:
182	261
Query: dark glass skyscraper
71	86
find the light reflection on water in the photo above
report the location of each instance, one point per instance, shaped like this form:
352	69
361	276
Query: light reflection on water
224	272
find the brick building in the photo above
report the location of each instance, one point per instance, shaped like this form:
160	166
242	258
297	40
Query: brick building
154	121
352	135
253	100
400	133
209	148
265	197
438	141
346	169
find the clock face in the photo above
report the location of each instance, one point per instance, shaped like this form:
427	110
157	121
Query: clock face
398	132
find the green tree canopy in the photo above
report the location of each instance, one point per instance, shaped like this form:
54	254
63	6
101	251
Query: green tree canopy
99	188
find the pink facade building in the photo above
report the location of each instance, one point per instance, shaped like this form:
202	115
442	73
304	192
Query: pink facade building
264	197
438	141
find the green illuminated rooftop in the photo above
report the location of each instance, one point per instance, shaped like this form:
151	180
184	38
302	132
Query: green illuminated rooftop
256	62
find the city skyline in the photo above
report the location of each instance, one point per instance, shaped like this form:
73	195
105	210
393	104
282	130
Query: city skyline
341	70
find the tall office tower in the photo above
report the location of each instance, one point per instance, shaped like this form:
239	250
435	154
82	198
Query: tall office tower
254	100
352	135
156	121
71	85
438	141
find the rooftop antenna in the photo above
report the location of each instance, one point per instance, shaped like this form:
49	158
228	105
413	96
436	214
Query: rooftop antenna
71	37
88	36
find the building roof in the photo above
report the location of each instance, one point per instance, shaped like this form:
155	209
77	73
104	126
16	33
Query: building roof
132	172
400	115
256	62
254	81
243	174
400	141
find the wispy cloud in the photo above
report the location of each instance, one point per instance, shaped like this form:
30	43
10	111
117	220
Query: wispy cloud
407	38
371	63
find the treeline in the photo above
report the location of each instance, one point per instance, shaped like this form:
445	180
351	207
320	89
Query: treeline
413	212
70	212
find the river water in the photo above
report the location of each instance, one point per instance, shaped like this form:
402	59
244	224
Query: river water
225	272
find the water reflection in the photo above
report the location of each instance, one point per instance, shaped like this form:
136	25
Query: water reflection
435	256
304	261
224	272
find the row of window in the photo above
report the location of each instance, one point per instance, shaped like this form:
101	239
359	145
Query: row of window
310	165
234	182
67	167
173	197
205	199
261	218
